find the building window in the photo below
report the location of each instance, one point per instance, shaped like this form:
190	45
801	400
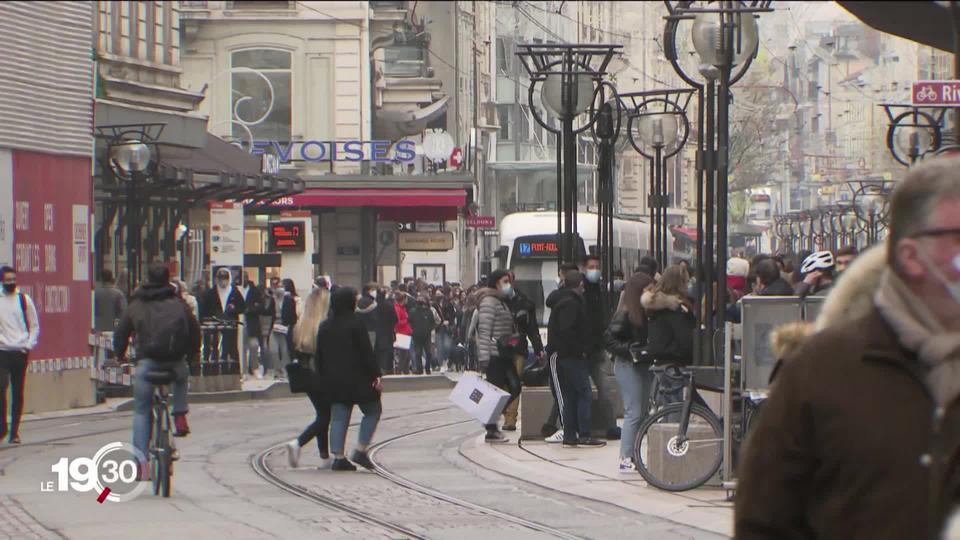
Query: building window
261	95
503	64
524	124
503	116
404	61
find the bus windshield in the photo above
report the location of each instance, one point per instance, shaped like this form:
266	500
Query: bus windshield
536	279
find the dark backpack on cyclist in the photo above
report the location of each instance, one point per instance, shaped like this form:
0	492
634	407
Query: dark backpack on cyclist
165	333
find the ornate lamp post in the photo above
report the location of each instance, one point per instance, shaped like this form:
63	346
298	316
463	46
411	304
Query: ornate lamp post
725	40
913	131
132	158
658	121
870	206
568	75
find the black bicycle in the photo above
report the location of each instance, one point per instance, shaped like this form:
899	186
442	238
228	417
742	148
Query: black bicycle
162	451
680	445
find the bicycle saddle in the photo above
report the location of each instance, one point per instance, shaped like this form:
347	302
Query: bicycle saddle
160	376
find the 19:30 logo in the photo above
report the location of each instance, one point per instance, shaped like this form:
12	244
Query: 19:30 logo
111	473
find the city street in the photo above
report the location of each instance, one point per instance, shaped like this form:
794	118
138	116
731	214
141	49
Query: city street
438	481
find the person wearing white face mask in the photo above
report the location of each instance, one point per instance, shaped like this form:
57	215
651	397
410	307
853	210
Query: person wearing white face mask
859	437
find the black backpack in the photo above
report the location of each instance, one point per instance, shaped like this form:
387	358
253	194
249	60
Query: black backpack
165	332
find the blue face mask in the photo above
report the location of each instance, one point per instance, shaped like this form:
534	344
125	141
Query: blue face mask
507	290
593	276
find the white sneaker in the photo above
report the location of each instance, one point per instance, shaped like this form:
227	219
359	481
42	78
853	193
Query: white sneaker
325	464
556	438
258	373
293	453
627	466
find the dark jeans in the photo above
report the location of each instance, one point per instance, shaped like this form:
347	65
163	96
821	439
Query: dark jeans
13	368
422	355
575	388
320	426
502	373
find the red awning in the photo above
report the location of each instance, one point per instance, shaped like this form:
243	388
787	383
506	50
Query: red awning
685	231
390	198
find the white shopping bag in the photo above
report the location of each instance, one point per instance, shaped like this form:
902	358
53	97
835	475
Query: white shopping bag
479	399
402	342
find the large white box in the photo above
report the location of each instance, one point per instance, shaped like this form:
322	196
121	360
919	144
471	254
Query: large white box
402	341
479	399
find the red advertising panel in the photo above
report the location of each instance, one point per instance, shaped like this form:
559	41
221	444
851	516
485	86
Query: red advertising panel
51	239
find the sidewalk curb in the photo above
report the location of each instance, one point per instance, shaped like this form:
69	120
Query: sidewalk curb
276	390
541	472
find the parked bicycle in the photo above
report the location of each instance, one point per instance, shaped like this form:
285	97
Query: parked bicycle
680	445
162	450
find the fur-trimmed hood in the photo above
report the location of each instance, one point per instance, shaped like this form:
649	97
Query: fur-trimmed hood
851	298
658	301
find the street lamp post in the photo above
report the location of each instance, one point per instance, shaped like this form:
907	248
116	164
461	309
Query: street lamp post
569	75
914	132
725	37
129	160
658	121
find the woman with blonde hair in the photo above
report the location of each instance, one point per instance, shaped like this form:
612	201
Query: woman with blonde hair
315	311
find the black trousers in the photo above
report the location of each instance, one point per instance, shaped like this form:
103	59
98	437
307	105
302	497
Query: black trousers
385	359
502	373
13	372
320	428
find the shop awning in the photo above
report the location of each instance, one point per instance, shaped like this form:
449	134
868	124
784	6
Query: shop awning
217	171
689	232
926	22
384	198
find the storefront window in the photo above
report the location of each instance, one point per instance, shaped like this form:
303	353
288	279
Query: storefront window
260	106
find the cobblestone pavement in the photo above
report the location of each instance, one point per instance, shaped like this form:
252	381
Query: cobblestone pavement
16	523
218	495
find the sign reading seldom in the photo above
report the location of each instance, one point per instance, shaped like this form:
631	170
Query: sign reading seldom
352	150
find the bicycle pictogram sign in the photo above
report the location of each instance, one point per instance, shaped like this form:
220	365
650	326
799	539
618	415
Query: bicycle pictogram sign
926	94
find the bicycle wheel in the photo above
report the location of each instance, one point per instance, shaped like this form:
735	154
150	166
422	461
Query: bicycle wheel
162	467
673	464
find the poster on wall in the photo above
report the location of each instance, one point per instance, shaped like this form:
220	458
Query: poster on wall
51	247
226	235
432	274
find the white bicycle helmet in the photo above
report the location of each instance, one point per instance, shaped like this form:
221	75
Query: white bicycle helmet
820	260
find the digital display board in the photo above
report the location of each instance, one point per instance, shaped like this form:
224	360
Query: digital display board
287	236
541	247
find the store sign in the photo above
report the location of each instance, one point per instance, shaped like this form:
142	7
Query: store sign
482	222
287	236
353	150
226	234
926	93
425	241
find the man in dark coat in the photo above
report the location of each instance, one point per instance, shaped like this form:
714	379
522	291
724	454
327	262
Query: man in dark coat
223	301
770	281
598	317
860	436
254	306
565	338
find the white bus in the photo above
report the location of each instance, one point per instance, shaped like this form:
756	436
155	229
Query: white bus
530	242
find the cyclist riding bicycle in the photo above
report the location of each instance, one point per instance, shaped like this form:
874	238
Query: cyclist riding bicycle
165	333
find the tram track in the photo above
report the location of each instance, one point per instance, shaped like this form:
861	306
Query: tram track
260	465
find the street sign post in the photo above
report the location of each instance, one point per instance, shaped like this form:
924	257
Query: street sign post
936	93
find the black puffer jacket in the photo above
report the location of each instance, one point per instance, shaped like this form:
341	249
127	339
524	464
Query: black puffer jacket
622	334
670	331
780	287
344	357
565	330
597	316
525	317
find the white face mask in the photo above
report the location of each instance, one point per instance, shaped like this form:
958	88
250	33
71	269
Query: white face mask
953	287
